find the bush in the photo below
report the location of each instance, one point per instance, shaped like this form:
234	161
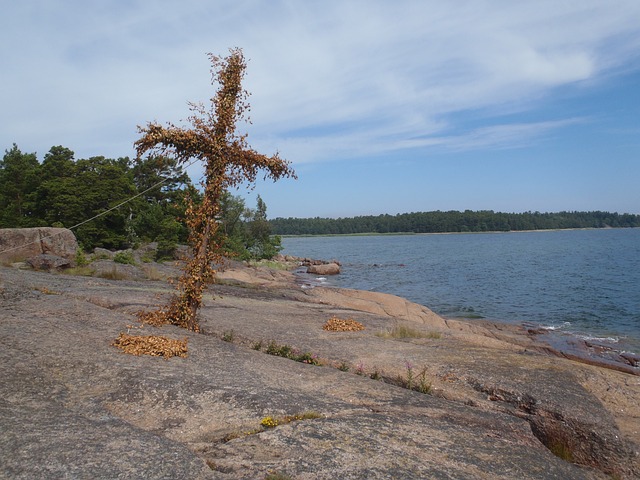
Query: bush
81	258
125	257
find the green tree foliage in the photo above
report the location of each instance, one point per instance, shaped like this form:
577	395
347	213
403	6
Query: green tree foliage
19	178
452	221
61	191
246	233
71	192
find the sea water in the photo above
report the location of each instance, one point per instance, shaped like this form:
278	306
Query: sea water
583	282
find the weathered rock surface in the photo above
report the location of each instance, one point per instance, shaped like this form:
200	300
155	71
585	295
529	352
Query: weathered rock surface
18	244
46	261
73	406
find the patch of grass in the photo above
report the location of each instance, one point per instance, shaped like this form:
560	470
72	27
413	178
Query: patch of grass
277	476
257	345
149	256
228	336
272	264
9	260
153	273
405	331
80	271
113	274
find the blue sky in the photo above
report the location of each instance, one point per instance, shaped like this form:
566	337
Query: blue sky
382	107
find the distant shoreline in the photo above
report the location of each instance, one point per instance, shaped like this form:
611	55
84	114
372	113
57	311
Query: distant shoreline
395	234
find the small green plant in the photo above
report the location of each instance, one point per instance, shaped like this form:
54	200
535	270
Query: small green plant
125	257
81	258
272	348
286	351
375	375
228	336
343	367
257	345
306	357
149	256
419	382
409	367
166	249
424	385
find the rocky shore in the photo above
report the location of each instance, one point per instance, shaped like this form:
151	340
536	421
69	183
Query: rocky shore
266	392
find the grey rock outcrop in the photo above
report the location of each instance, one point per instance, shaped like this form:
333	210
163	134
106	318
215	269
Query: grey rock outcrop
46	261
19	244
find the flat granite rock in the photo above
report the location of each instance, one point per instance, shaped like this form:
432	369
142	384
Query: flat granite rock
74	406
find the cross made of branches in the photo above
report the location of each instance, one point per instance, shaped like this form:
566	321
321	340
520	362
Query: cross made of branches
228	162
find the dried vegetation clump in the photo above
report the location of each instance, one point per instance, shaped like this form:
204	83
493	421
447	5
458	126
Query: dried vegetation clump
335	324
155	318
154	345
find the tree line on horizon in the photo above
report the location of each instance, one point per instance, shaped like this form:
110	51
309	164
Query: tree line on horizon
61	191
452	222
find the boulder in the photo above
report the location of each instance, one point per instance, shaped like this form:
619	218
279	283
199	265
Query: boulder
100	253
46	261
19	244
326	269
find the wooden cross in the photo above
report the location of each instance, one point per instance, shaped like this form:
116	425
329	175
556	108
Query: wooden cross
228	162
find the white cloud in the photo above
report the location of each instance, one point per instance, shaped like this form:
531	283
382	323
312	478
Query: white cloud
329	79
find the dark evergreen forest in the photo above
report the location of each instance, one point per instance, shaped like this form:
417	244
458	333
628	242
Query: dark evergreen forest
452	221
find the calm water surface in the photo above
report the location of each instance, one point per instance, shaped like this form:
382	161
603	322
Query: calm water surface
586	282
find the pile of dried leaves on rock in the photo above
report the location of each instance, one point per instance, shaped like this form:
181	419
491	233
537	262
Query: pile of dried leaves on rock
335	324
154	345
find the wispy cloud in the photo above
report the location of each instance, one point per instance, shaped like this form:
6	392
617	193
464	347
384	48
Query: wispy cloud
330	80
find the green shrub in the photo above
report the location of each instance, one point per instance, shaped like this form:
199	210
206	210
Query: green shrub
81	258
166	249
125	257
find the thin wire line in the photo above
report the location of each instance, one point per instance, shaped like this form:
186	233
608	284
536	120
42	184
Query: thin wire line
95	216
